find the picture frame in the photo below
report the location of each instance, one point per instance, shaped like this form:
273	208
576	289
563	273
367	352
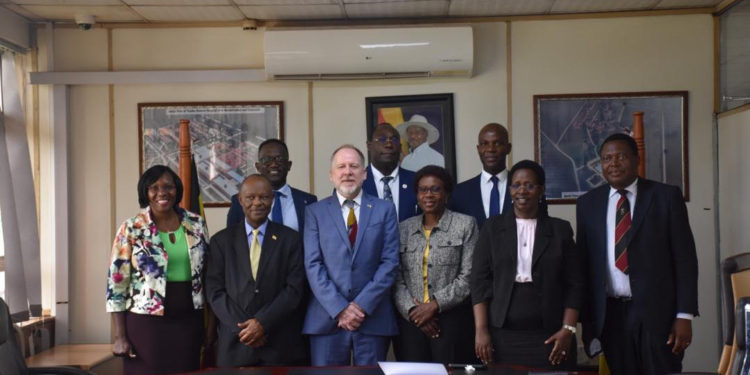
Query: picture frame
569	129
225	139
408	110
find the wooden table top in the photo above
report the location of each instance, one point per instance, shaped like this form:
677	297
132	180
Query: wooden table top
83	356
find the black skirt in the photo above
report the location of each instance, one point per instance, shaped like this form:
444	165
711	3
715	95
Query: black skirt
170	343
521	339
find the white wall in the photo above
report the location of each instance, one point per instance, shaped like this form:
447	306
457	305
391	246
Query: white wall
631	54
574	56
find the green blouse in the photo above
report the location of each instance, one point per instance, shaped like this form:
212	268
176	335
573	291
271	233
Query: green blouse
178	265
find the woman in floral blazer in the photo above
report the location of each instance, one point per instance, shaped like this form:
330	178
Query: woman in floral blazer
156	280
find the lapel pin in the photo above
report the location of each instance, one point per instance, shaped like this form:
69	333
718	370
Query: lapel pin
369	205
273	236
403	186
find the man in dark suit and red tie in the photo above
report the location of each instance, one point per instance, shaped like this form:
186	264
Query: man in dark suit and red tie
255	282
642	266
385	179
487	194
288	206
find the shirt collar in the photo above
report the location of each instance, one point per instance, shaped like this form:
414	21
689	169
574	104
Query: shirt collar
357	199
249	228
502	176
632	189
377	175
286	190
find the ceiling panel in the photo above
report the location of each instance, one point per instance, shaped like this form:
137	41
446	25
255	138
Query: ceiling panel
431	8
670	4
292	12
284	2
588	6
114	13
189	13
178	2
376	1
483	8
23	12
67	2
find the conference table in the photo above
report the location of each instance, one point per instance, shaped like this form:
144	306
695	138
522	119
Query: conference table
491	370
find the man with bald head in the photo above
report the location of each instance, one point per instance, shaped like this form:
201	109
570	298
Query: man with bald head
256	285
351	258
486	194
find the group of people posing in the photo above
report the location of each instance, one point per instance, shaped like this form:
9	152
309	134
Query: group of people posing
463	273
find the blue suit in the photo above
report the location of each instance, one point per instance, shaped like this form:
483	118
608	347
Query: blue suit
339	273
467	199
300	198
407	199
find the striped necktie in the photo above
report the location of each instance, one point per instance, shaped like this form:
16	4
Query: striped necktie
622	227
387	194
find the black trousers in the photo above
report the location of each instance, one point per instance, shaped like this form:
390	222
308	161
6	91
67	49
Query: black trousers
455	344
630	349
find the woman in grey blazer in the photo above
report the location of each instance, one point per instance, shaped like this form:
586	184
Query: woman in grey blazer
432	292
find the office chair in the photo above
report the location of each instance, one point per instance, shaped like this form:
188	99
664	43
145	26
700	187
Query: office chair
735	283
11	359
740	364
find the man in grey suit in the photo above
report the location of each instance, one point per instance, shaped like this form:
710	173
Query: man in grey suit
256	286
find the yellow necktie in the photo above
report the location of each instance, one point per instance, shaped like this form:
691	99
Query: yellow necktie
255	253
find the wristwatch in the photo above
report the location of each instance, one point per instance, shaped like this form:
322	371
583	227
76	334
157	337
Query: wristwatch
570	328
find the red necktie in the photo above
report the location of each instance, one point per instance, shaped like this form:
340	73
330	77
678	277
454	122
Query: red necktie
623	221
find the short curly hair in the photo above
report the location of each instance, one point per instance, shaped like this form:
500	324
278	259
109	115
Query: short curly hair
153	174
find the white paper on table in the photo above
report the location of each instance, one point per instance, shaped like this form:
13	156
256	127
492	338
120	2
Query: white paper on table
412	368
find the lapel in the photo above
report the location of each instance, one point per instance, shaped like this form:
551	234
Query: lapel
299	208
334	209
268	248
406	206
642	203
365	211
598	220
242	252
476	199
541	239
510	237
368	185
507	202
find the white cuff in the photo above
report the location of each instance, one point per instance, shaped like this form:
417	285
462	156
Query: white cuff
685	316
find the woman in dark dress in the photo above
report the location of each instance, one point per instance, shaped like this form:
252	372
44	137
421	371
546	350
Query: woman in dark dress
527	283
155	282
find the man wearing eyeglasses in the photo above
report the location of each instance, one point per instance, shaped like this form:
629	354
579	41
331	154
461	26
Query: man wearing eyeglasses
289	203
385	178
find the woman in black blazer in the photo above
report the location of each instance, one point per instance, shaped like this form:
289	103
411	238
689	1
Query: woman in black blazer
527	282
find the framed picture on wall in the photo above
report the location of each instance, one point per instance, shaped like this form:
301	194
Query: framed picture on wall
569	128
225	139
425	123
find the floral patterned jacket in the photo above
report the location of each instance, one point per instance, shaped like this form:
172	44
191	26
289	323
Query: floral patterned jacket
137	279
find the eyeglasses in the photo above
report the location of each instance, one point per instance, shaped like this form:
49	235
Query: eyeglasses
155	189
528	186
385	140
268	160
612	157
433	190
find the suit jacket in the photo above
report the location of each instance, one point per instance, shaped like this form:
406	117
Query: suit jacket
452	243
556	268
301	200
407	199
339	273
467	199
662	262
276	298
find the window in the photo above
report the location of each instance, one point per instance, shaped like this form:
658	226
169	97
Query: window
734	56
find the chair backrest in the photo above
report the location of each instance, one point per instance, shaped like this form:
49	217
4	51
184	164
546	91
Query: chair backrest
11	359
740	364
735	282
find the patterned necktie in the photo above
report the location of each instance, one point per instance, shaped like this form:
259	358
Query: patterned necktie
387	194
276	215
494	197
351	222
622	227
255	253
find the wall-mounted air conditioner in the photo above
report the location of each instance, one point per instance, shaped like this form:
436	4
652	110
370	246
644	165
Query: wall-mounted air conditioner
369	53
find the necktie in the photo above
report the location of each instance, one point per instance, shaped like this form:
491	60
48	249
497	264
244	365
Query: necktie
494	197
387	194
351	222
622	226
255	253
276	215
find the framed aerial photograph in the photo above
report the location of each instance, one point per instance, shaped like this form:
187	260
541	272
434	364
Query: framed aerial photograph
425	123
225	139
569	128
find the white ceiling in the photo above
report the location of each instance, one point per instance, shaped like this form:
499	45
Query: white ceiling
186	11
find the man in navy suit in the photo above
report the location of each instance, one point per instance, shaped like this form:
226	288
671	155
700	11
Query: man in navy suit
351	258
642	267
486	194
385	179
289	203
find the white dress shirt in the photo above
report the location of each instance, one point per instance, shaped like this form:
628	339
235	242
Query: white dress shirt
485	186
287	208
345	209
525	230
377	177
